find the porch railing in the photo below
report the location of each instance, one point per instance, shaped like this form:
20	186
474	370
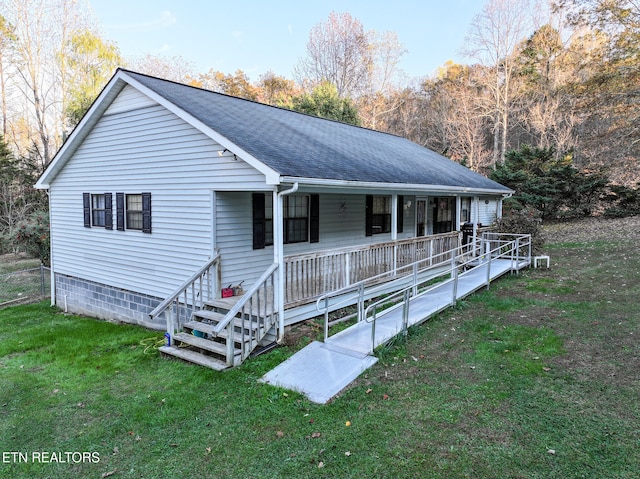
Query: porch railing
311	275
190	296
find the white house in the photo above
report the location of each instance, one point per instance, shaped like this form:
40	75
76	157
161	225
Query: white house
161	182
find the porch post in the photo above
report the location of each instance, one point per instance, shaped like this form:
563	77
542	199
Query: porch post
394	217
458	205
394	229
476	218
278	251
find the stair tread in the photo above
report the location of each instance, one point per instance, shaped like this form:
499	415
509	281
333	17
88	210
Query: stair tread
227	303
211	315
217	317
194	357
203	343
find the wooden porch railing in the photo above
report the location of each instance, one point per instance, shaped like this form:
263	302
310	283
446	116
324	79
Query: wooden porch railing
310	275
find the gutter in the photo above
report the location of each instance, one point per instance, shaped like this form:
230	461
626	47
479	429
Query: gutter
369	185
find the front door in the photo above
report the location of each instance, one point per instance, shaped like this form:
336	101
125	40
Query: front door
424	217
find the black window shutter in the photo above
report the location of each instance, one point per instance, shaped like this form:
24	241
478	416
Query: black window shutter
368	224
146	212
314	218
86	206
120	211
108	211
258	221
400	215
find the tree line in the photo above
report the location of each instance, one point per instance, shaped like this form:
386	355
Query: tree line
560	79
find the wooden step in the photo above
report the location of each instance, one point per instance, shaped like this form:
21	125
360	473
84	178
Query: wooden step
209	315
194	357
217	317
206	344
225	304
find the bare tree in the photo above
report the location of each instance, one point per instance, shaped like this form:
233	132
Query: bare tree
337	51
377	99
42	28
7	38
492	40
175	68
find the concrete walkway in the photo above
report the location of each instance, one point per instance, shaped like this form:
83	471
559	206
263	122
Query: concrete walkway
322	370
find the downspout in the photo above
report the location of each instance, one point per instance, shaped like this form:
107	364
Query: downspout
52	274
278	253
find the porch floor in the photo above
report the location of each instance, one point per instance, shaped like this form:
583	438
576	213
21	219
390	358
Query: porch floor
322	370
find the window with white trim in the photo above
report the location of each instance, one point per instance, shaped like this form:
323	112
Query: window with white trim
98	210
300	219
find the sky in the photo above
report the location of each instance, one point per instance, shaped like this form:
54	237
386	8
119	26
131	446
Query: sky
260	36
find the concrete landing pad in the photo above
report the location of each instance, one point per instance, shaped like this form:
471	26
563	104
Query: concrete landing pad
319	371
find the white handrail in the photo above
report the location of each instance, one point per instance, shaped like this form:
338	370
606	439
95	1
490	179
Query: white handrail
512	251
185	286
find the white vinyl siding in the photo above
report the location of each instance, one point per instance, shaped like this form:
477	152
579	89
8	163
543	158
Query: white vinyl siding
488	210
133	151
129	99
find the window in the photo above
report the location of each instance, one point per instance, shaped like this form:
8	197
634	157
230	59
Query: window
465	210
98	210
378	214
300	219
268	220
381	221
296	219
134	212
444	215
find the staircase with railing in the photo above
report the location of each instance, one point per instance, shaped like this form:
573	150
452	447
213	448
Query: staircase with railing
214	332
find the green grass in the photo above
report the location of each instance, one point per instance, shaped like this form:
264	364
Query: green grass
535	378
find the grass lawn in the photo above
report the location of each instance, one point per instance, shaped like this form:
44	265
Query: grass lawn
537	377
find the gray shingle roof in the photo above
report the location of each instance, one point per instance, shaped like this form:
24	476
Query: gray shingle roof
298	145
